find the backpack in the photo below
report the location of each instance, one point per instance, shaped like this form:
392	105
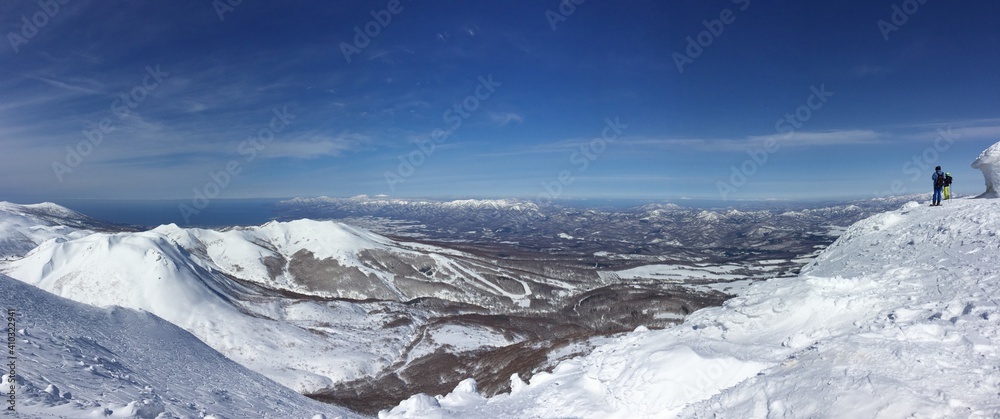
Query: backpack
939	181
947	179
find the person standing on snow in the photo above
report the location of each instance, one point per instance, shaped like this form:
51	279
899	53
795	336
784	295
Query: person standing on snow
938	178
947	186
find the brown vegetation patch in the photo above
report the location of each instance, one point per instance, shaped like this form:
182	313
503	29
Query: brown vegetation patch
604	311
329	276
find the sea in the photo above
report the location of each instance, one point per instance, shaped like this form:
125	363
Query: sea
152	213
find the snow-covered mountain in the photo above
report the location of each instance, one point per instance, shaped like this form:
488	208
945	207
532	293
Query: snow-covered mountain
148	271
337	303
230	289
74	360
331	259
898	318
649	233
413	208
23	227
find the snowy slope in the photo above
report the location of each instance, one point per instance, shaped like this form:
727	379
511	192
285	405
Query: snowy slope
149	271
74	360
22	227
899	318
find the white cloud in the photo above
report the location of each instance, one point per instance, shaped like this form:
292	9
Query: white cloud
828	138
795	139
976	129
319	146
95	88
978	132
504	118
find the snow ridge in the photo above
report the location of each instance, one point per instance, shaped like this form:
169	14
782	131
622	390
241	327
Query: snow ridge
897	319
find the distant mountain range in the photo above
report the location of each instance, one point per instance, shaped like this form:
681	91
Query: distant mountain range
649	233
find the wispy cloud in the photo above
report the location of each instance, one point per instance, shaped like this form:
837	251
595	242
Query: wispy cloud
973	129
797	139
822	139
979	132
318	146
504	118
91	90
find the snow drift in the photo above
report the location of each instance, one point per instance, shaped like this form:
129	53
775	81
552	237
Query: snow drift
989	163
897	319
75	360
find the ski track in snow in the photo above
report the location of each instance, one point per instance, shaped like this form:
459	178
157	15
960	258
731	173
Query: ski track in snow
898	318
484	283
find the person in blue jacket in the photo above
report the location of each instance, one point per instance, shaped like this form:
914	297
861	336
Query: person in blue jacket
938	178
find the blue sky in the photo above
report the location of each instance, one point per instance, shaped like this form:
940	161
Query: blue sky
494	99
